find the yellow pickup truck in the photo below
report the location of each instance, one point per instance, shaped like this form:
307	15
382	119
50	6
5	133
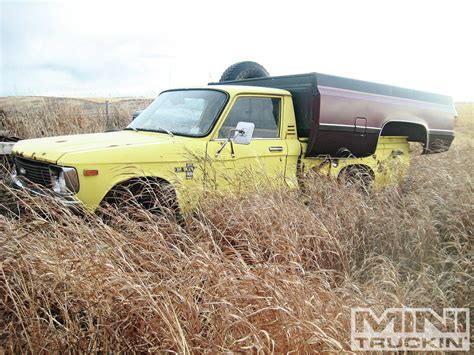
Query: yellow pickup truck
221	136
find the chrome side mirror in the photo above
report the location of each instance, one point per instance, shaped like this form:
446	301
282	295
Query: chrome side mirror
244	132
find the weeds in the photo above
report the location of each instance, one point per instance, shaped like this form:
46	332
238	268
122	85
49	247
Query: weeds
33	117
266	271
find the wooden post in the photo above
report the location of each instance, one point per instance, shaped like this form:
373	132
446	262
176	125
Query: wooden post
107	118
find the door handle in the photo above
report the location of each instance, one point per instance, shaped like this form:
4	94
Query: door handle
275	149
360	125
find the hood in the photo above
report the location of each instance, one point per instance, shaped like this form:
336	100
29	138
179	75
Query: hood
53	148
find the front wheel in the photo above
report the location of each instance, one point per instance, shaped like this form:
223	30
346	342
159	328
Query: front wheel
155	196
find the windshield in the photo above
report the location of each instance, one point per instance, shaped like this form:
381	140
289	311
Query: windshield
185	112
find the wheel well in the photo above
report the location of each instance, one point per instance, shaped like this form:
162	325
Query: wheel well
414	131
133	184
150	179
356	168
361	176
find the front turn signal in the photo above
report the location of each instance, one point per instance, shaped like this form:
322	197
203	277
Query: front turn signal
88	172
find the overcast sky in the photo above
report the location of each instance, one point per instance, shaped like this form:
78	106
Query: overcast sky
82	48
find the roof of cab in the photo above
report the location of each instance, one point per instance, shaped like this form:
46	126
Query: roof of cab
240	89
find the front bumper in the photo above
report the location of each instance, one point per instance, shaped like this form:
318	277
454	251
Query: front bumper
22	184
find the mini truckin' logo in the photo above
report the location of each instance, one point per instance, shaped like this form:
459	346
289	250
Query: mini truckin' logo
420	329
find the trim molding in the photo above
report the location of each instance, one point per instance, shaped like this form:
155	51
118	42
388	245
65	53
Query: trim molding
347	128
441	132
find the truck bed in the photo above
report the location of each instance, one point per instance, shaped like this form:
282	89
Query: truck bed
346	117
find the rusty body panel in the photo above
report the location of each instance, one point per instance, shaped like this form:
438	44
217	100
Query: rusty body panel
346	117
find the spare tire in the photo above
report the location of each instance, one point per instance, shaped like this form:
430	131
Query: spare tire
244	70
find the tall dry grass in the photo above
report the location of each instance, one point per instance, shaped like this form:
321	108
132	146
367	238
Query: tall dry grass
33	117
272	270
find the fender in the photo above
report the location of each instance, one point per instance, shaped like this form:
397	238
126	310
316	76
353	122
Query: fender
405	127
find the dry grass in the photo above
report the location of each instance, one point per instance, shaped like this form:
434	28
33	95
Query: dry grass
273	271
465	124
32	117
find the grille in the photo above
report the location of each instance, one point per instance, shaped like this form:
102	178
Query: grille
35	171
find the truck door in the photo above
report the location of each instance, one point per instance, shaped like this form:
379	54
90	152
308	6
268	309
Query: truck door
261	161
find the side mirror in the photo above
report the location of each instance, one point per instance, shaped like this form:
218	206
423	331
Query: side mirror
135	114
244	132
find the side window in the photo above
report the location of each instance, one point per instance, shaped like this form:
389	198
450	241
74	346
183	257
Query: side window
264	112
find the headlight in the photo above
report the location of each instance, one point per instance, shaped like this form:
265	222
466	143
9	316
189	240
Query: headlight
64	180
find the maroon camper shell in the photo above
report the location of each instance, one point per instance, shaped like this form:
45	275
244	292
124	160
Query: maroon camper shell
342	116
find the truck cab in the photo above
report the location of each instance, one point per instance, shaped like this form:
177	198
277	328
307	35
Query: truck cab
184	139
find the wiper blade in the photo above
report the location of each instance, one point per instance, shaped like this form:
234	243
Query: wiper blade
166	130
159	130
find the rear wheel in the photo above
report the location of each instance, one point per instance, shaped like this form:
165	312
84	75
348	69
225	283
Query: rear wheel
359	176
244	70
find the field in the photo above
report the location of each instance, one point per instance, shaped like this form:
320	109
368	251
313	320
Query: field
272	271
36	116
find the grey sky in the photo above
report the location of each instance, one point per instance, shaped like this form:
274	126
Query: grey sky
85	48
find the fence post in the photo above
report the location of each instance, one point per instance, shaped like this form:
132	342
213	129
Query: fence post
107	118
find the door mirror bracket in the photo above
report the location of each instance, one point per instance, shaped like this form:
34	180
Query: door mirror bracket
242	134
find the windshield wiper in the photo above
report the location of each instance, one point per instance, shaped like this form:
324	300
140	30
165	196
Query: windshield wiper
159	129
166	130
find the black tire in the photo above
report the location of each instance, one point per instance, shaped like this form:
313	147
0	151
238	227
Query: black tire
359	176
244	70
157	197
